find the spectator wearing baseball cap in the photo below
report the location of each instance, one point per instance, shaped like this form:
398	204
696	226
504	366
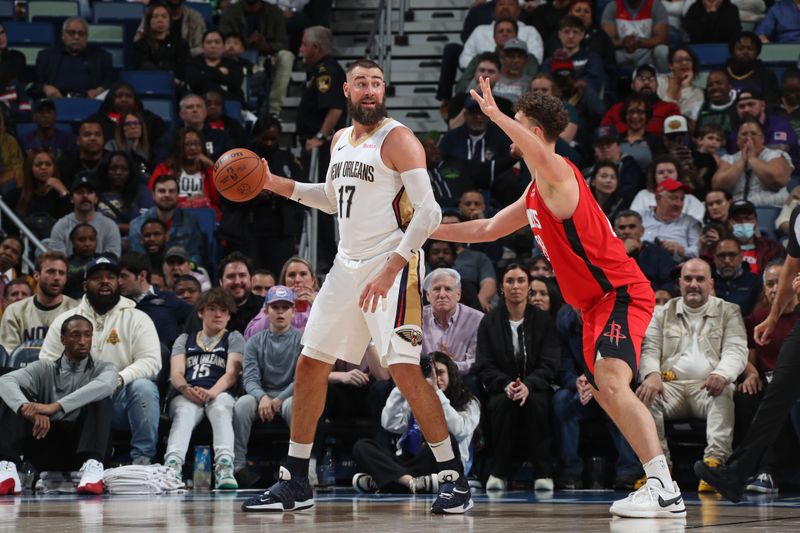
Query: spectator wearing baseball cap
757	250
755	172
697	168
585	63
177	262
606	145
644	82
47	135
513	81
667	226
268	378
778	132
83	194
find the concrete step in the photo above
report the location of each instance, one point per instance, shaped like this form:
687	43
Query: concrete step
401	101
417	15
413	4
437	26
414	39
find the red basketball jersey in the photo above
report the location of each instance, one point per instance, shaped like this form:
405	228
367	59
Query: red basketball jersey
587	257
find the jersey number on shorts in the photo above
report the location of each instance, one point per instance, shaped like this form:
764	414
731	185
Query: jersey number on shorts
344	205
201	371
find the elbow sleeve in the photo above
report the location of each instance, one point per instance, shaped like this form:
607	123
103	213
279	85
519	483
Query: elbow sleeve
427	214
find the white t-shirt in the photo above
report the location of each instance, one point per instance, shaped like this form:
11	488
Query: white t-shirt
190	184
515	324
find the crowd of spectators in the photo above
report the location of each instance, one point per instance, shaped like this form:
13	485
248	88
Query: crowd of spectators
697	175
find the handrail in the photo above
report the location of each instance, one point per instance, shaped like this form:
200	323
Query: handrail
28	236
380	37
309	240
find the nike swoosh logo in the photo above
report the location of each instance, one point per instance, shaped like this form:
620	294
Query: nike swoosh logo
338	149
666	503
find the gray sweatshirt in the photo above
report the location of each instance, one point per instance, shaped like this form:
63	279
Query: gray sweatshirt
269	361
108	238
72	385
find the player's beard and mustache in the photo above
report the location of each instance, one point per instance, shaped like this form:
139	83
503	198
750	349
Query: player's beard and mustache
364	116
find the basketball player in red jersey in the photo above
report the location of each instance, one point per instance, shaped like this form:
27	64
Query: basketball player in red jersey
595	275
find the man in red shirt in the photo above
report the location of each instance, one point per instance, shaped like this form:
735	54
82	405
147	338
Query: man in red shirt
644	83
596	276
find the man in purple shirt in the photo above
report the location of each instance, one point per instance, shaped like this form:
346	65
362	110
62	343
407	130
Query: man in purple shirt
449	326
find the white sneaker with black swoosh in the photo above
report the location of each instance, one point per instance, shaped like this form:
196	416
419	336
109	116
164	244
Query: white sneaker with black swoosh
653	500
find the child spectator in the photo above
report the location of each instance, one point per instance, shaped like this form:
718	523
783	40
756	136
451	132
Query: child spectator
205	365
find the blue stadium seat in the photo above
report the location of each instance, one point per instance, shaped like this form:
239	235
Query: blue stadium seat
204	8
6	10
25	354
207	219
150	82
49	8
3	357
76	109
22	33
233	108
766	220
116	11
163	107
25	128
711	55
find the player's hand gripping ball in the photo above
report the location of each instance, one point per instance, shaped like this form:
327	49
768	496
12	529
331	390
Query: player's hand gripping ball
239	175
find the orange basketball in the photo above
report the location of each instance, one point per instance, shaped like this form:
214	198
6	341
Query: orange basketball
239	175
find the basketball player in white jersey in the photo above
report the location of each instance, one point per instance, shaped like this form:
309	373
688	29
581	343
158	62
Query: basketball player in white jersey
378	185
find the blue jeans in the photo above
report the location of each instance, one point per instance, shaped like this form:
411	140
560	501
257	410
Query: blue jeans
568	414
136	409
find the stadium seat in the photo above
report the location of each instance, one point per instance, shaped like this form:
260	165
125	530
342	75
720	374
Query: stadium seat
117	55
30	53
782	54
6	10
52	9
233	109
766	220
204	8
76	109
150	82
25	128
116	11
25	354
163	107
29	33
3	357
207	219
711	55
106	34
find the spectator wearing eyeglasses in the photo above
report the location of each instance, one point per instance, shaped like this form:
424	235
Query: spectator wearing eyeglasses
74	69
644	82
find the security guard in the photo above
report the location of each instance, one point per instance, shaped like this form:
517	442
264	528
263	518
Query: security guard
321	113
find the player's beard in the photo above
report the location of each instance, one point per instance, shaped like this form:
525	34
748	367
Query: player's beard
366	117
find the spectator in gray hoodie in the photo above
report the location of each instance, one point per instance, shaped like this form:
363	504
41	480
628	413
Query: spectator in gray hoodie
269	361
52	409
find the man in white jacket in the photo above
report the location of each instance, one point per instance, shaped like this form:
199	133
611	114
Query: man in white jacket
482	38
127	337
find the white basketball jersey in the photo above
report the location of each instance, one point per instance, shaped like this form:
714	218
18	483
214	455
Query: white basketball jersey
373	209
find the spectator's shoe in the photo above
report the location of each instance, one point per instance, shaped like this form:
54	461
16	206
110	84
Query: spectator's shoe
543	483
364	483
176	466
91	478
247	477
567	481
286	495
9	479
721	478
702	486
653	500
455	496
762	483
495	483
425	484
223	475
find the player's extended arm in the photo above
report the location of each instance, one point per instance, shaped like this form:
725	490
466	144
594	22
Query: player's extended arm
507	221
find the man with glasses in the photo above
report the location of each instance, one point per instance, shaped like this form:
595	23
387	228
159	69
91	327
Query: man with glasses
732	282
644	83
77	69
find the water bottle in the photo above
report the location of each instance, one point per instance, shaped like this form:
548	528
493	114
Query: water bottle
27	473
202	468
327	467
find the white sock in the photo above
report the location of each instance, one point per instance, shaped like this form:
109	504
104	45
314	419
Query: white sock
300	451
657	468
443	451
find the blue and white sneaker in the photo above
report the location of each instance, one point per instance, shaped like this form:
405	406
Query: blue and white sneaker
455	496
286	495
762	483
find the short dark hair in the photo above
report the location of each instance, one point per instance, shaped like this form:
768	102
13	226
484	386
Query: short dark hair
264	272
15	281
488	56
692	55
90	120
571	21
546	111
510	20
136	263
156	221
233	35
235	257
636	98
790	73
451	245
72	318
709	128
14	238
363	63
728	195
164	178
750	120
187	277
50	255
82	225
216	296
625	213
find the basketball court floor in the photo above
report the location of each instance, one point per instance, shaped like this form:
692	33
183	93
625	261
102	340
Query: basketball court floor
344	511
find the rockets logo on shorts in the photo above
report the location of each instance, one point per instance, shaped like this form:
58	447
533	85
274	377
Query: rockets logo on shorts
410	335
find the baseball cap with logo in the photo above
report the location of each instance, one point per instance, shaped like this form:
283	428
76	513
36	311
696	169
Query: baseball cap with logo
741	206
84	180
515	44
101	263
279	293
672	185
674	124
646	67
605	134
177	251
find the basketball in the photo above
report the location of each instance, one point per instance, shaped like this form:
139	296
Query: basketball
239	175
